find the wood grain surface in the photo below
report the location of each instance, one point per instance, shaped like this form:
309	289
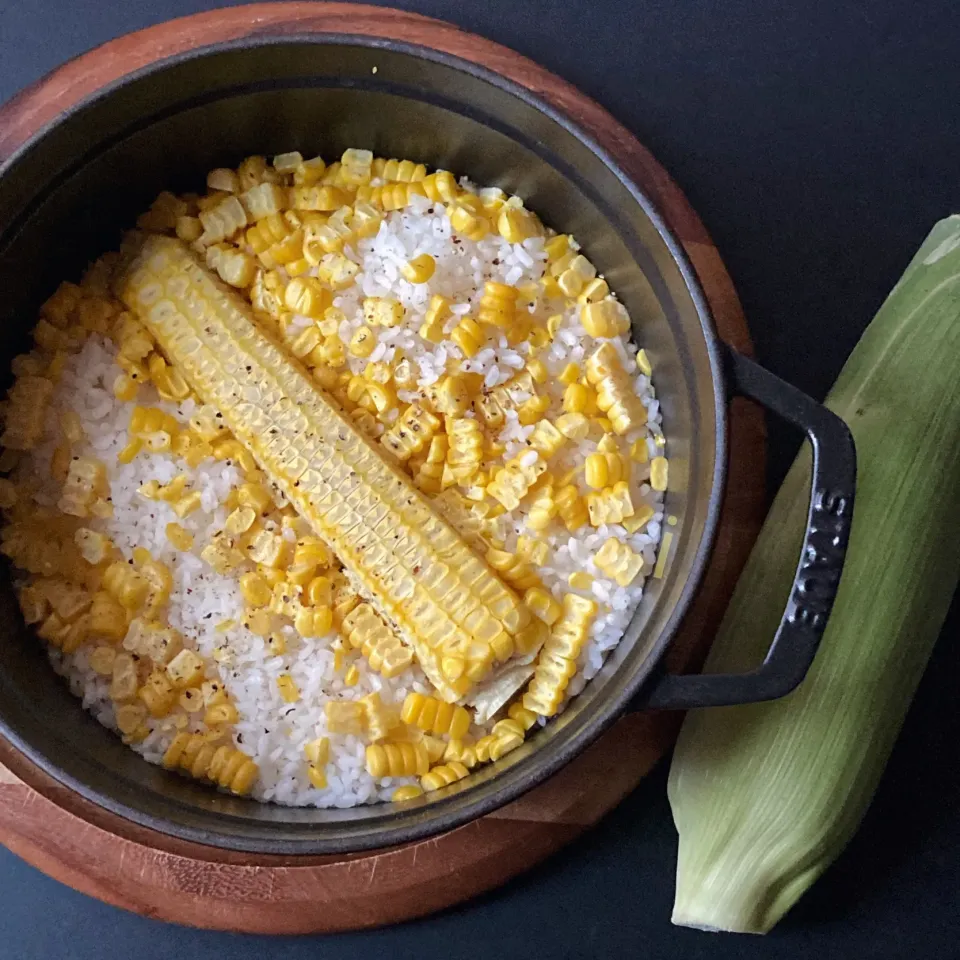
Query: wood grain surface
155	875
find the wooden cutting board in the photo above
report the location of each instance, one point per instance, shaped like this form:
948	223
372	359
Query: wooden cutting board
144	871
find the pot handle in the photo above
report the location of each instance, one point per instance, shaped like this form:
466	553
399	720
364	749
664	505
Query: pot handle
821	560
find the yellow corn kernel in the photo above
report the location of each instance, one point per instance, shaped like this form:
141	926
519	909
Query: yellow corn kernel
643	363
443	776
437	313
411	433
434	716
108	619
94	547
530	411
179	537
363	629
191	700
127	586
570	374
255	590
101	660
658	473
641	517
123	684
466	222
522	716
611	505
514	480
307	296
557	661
604	318
317	751
543	508
382	311
185	669
546	439
269	549
515	224
314	621
225	766
468	336
125	388
221	554
580	580
308	172
319	592
264	200
638	451
602	470
337	271
322	198
615	394
129	717
574	426
345	716
405	171
420	269
356	166
409	792
85	483
221	714
441	186
575	398
362	342
288	688
223	179
402	759
571	507
287	162
618	561
542	605
317	777
158	694
381	717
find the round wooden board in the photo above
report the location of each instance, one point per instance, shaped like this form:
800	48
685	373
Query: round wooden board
133	867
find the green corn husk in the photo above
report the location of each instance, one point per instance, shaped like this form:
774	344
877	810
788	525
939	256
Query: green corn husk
766	796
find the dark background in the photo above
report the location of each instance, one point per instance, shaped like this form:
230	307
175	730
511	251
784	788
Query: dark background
819	143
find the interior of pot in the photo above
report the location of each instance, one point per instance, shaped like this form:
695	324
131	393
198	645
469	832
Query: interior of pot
65	198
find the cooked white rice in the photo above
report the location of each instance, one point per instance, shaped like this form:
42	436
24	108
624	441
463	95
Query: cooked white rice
270	730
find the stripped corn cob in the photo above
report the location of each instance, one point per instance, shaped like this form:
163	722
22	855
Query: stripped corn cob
447	604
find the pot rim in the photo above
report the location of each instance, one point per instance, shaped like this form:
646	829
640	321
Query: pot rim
510	784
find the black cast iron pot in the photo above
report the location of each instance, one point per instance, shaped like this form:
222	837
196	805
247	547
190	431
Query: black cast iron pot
66	194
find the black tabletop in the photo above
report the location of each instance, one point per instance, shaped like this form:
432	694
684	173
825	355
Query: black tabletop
819	143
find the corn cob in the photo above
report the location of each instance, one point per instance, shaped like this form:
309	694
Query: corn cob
766	796
447	604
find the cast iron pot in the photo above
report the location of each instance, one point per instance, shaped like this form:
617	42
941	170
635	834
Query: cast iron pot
67	193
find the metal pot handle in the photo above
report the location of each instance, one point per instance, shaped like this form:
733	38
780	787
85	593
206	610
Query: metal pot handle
821	560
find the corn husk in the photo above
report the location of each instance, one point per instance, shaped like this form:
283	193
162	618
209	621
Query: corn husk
766	796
